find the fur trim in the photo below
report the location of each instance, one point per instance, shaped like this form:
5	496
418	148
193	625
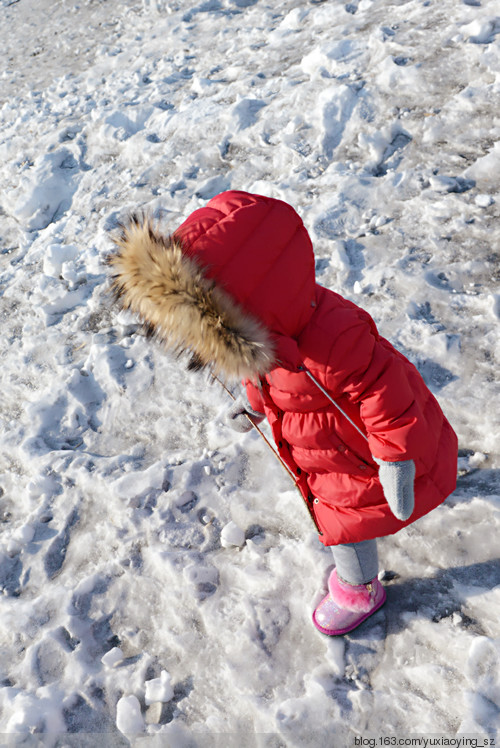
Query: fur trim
357	597
153	277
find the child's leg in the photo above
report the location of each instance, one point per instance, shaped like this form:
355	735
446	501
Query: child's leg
356	563
354	592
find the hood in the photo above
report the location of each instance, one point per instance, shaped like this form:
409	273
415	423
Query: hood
234	284
259	251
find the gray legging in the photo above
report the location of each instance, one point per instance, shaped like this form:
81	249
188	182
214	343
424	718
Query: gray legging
357	563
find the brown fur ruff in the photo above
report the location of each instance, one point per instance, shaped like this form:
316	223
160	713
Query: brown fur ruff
170	293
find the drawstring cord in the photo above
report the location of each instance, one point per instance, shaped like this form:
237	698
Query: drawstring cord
325	393
261	434
277	455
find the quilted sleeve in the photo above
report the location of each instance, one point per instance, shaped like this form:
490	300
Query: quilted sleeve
254	397
383	383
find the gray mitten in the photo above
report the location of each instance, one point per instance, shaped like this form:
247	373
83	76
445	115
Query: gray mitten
397	480
238	415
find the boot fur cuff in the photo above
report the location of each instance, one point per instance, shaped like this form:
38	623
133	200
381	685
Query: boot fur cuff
353	597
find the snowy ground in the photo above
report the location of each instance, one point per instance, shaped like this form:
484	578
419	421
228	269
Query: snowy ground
127	608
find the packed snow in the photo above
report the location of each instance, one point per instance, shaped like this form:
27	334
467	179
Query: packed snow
158	570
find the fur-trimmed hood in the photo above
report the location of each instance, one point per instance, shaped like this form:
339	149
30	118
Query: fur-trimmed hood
234	285
153	277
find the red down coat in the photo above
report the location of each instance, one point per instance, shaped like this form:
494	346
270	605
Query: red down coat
259	251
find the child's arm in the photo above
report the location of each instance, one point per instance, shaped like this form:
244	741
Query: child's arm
371	373
398	422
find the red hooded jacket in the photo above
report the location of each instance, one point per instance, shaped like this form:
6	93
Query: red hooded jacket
257	251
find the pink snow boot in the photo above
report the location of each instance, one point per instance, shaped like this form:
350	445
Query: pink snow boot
347	605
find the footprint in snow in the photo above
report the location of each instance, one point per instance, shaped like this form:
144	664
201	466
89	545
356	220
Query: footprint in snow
392	155
483	664
270	619
483	667
204	580
56	553
10	574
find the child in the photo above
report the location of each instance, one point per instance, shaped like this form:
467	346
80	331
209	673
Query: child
368	444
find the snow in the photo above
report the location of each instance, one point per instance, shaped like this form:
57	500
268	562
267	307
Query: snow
232	535
128	715
113	657
158	572
159	689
